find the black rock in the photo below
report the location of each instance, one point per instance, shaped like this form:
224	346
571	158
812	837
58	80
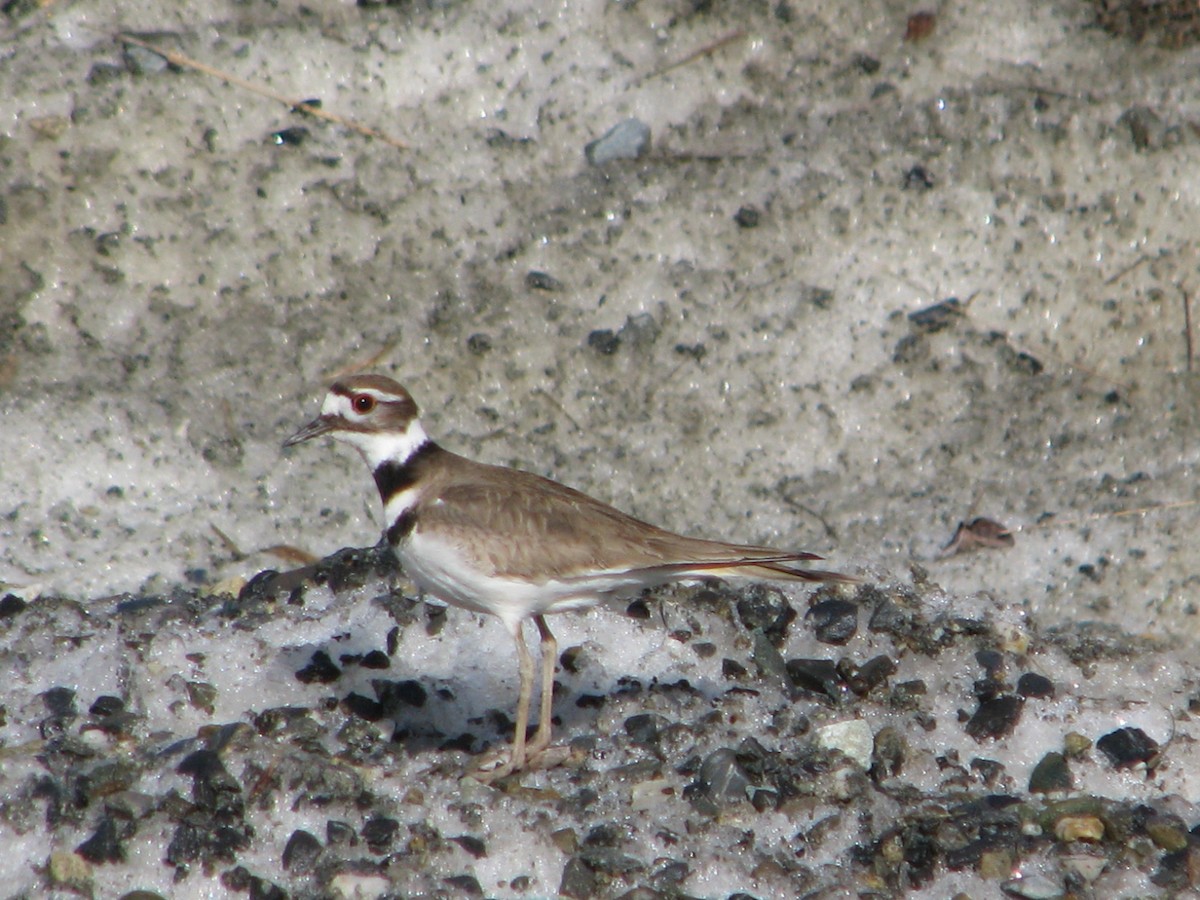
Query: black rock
393	695
1031	684
732	670
995	717
992	662
479	344
818	675
473	845
340	834
888	754
1126	747
379	833
290	137
213	788
363	707
765	609
644	728
604	341
872	674
320	669
834	621
11	605
376	659
106	705
104	846
918	178
747	217
542	281
1050	774
723	778
301	853
60	703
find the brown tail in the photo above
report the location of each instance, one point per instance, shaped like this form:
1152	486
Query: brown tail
784	568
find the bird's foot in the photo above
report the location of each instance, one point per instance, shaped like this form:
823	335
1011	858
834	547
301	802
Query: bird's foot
500	764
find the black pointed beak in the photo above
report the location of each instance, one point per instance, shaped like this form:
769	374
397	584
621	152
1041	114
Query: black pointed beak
318	426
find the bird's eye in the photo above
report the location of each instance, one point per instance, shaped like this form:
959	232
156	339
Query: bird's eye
362	403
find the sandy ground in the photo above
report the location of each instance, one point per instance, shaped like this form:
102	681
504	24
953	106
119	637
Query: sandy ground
718	336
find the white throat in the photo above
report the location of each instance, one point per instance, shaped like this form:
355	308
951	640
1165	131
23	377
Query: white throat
378	447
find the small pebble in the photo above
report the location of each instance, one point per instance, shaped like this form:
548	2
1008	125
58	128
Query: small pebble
995	717
1126	747
301	853
834	621
1031	684
628	139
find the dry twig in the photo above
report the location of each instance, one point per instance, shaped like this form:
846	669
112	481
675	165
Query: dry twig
187	62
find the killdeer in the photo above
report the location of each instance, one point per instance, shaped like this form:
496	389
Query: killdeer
515	545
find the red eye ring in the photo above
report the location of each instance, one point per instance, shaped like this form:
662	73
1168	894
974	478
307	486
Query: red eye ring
362	403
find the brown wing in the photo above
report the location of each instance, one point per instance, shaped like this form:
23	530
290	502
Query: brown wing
517	524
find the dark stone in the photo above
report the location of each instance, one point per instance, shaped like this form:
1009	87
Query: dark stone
542	281
767	610
376	659
578	881
393	695
696	351
938	317
918	178
363	707
473	845
320	669
870	675
992	662
1126	747
213	788
106	705
1031	684
11	605
1050	774
732	670
479	344
722	777
379	833
988	770
818	675
747	217
604	341
290	137
393	640
644	728
834	621
301	853
60	703
339	834
104	846
866	64
203	841
995	717
888	754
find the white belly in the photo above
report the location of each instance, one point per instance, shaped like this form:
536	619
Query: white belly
440	570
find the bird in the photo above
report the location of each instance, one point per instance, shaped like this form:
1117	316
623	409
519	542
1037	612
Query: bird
515	545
